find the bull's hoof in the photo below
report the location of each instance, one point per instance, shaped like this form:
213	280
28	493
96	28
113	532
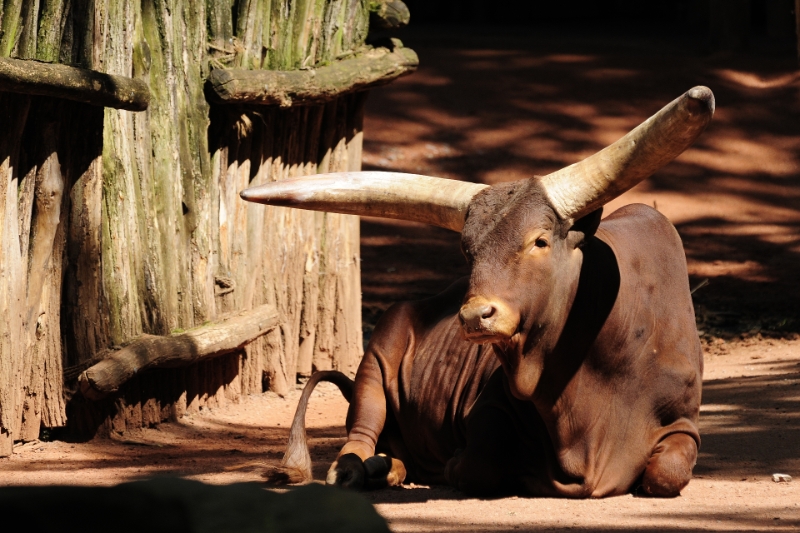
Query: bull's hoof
347	472
384	471
377	472
377	466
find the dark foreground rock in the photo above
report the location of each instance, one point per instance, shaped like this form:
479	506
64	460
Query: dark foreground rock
177	505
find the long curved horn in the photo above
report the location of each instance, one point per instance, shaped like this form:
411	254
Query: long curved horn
437	201
579	189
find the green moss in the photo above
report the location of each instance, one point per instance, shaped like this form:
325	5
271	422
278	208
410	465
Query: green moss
10	26
48	45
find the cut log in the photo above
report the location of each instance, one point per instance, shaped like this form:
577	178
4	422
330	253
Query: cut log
388	14
376	67
153	351
27	76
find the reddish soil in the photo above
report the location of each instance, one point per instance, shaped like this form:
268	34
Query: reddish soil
504	105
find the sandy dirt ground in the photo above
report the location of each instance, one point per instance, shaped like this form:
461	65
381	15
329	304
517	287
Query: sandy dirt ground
503	105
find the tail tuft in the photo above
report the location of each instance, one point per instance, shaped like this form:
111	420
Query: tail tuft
296	464
285	475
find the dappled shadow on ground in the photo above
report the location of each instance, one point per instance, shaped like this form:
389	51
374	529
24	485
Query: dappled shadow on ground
750	426
405	261
725	522
489	106
178	449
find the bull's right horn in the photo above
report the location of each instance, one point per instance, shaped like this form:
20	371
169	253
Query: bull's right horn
579	189
437	201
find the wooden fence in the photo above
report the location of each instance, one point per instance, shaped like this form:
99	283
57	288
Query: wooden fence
123	238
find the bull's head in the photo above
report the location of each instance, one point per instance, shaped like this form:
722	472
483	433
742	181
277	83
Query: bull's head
523	239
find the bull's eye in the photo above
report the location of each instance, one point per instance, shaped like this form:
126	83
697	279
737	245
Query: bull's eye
537	245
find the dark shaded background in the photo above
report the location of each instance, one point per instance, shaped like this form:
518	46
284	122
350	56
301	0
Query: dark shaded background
531	87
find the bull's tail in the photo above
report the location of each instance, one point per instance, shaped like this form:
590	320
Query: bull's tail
296	464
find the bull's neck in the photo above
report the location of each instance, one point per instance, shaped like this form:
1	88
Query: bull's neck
528	354
564	358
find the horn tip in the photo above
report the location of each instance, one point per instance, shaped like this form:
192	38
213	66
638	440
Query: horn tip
703	96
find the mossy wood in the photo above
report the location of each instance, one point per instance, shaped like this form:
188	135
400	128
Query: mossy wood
388	14
116	225
72	83
375	67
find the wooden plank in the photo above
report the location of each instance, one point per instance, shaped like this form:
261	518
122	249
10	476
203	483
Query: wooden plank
13	282
152	351
72	83
376	67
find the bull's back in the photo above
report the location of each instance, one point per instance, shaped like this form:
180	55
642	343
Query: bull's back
654	280
646	244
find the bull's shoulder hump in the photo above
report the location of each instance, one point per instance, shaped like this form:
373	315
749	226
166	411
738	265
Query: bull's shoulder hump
637	212
637	222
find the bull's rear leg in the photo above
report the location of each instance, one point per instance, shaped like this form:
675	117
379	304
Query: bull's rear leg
670	467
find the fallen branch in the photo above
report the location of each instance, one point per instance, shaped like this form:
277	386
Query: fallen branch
152	351
27	76
378	66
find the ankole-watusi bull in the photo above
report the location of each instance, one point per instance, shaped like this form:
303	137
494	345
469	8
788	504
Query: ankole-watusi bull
566	364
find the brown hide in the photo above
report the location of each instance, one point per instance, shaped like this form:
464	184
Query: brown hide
598	393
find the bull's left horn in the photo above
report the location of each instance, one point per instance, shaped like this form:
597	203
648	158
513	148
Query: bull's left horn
437	201
579	189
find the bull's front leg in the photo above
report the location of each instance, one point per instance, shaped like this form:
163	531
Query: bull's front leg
365	420
670	467
357	466
494	460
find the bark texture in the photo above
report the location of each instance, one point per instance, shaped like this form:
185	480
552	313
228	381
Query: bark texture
314	86
116	225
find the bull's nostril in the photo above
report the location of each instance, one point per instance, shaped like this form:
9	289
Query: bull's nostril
487	311
476	316
482	318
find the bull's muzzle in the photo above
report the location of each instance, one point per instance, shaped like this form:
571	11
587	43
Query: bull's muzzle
485	320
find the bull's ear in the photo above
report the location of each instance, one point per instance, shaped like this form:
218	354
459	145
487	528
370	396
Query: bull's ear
584	228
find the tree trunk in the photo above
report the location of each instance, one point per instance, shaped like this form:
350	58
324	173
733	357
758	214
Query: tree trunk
115	225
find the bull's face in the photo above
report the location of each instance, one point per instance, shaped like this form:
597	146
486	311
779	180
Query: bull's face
526	264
